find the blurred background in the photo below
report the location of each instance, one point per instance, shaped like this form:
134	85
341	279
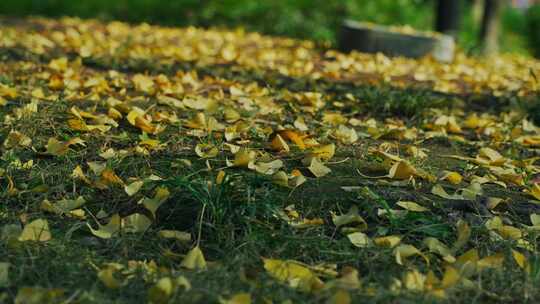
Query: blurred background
317	20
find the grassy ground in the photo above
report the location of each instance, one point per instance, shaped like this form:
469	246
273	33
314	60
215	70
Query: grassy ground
241	220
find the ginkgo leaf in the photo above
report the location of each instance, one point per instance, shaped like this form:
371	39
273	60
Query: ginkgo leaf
267	168
436	246
133	188
359	239
239	298
294	137
243	158
346	135
402	170
340	297
404	251
412	206
109	230
414	280
464	234
535	191
293	274
452	177
109	177
348	280
325	152
439	191
351	218
59	148
521	260
135	223
206	150
37	230
492	261
194	260
161	291
175	234
315	166
279	144
107	276
389	241
152	204
64	206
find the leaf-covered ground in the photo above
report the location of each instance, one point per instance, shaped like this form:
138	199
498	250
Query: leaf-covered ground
147	164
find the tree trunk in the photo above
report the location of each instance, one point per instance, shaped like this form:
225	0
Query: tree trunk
489	33
448	16
477	10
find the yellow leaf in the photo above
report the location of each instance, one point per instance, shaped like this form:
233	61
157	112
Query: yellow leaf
493	261
351	217
16	138
78	173
535	220
243	158
110	178
64	206
109	230
325	152
279	144
294	137
206	150
133	188
452	177
450	278
412	206
404	251
348	280
294	274
316	167
436	246
37	230
161	291
106	276
402	170
38	295
267	168
58	148
175	234
535	191
389	241
300	124
152	204
464	234
359	239
143	84
414	280
346	135
439	191
136	223
340	297
194	260
239	298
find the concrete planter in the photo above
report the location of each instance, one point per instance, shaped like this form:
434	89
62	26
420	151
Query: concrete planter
369	38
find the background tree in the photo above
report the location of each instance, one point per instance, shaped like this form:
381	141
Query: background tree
448	18
489	32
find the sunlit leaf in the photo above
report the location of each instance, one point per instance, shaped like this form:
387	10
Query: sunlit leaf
194	260
109	230
293	274
37	230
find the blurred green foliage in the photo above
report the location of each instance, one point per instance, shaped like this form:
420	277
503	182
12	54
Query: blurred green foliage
533	27
310	19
